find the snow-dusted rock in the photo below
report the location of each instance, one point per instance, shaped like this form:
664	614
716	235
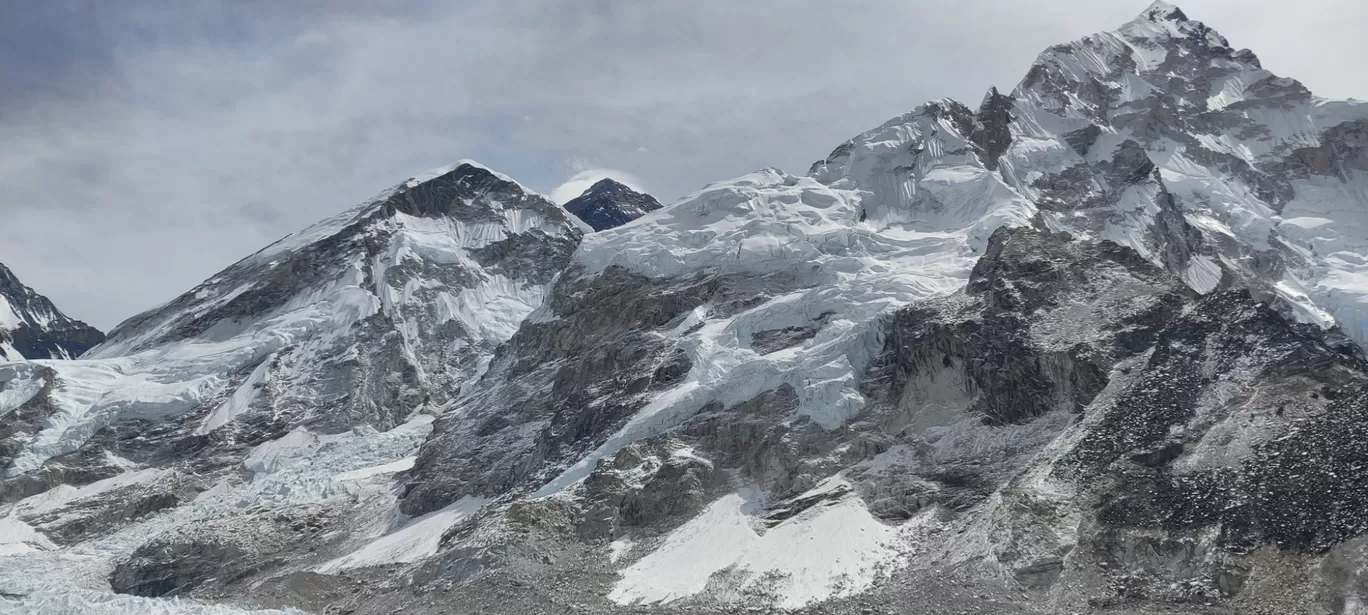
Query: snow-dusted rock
32	328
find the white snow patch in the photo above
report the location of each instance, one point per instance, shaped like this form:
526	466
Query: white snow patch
9	317
222	488
18	537
238	402
1202	274
272	456
835	549
415	541
493	309
392	467
619	548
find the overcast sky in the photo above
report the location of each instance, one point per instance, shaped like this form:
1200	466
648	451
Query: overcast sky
146	144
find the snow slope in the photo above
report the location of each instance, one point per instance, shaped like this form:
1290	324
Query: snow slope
863	242
838	550
270	321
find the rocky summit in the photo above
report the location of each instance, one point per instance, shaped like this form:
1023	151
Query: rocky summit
1094	346
609	204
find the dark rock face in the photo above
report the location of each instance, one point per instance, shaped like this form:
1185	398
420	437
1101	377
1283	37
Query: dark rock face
1031	341
41	331
1019	277
774	340
609	204
559	388
992	127
1210	428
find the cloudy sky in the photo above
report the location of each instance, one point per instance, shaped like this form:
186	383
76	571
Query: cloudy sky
145	144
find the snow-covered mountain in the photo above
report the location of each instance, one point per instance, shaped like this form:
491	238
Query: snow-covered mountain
609	204
1092	347
330	343
31	327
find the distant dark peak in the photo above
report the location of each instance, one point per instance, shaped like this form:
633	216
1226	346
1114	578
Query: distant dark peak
607	184
609	203
31	325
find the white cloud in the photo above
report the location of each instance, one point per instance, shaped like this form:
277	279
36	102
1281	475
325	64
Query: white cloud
581	181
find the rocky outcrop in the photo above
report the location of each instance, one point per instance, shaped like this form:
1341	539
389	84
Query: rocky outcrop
992	131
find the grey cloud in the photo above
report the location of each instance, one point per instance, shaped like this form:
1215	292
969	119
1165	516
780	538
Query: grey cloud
148	143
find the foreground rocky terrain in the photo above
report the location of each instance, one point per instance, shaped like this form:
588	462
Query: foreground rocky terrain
1092	347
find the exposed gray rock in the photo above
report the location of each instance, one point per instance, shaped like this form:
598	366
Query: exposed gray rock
562	385
992	127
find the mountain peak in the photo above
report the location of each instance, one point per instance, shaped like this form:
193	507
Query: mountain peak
609	203
606	184
464	166
1165	21
31	327
1160	10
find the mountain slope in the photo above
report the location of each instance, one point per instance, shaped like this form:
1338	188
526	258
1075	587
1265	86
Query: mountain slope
341	336
31	327
1269	179
770	294
609	204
